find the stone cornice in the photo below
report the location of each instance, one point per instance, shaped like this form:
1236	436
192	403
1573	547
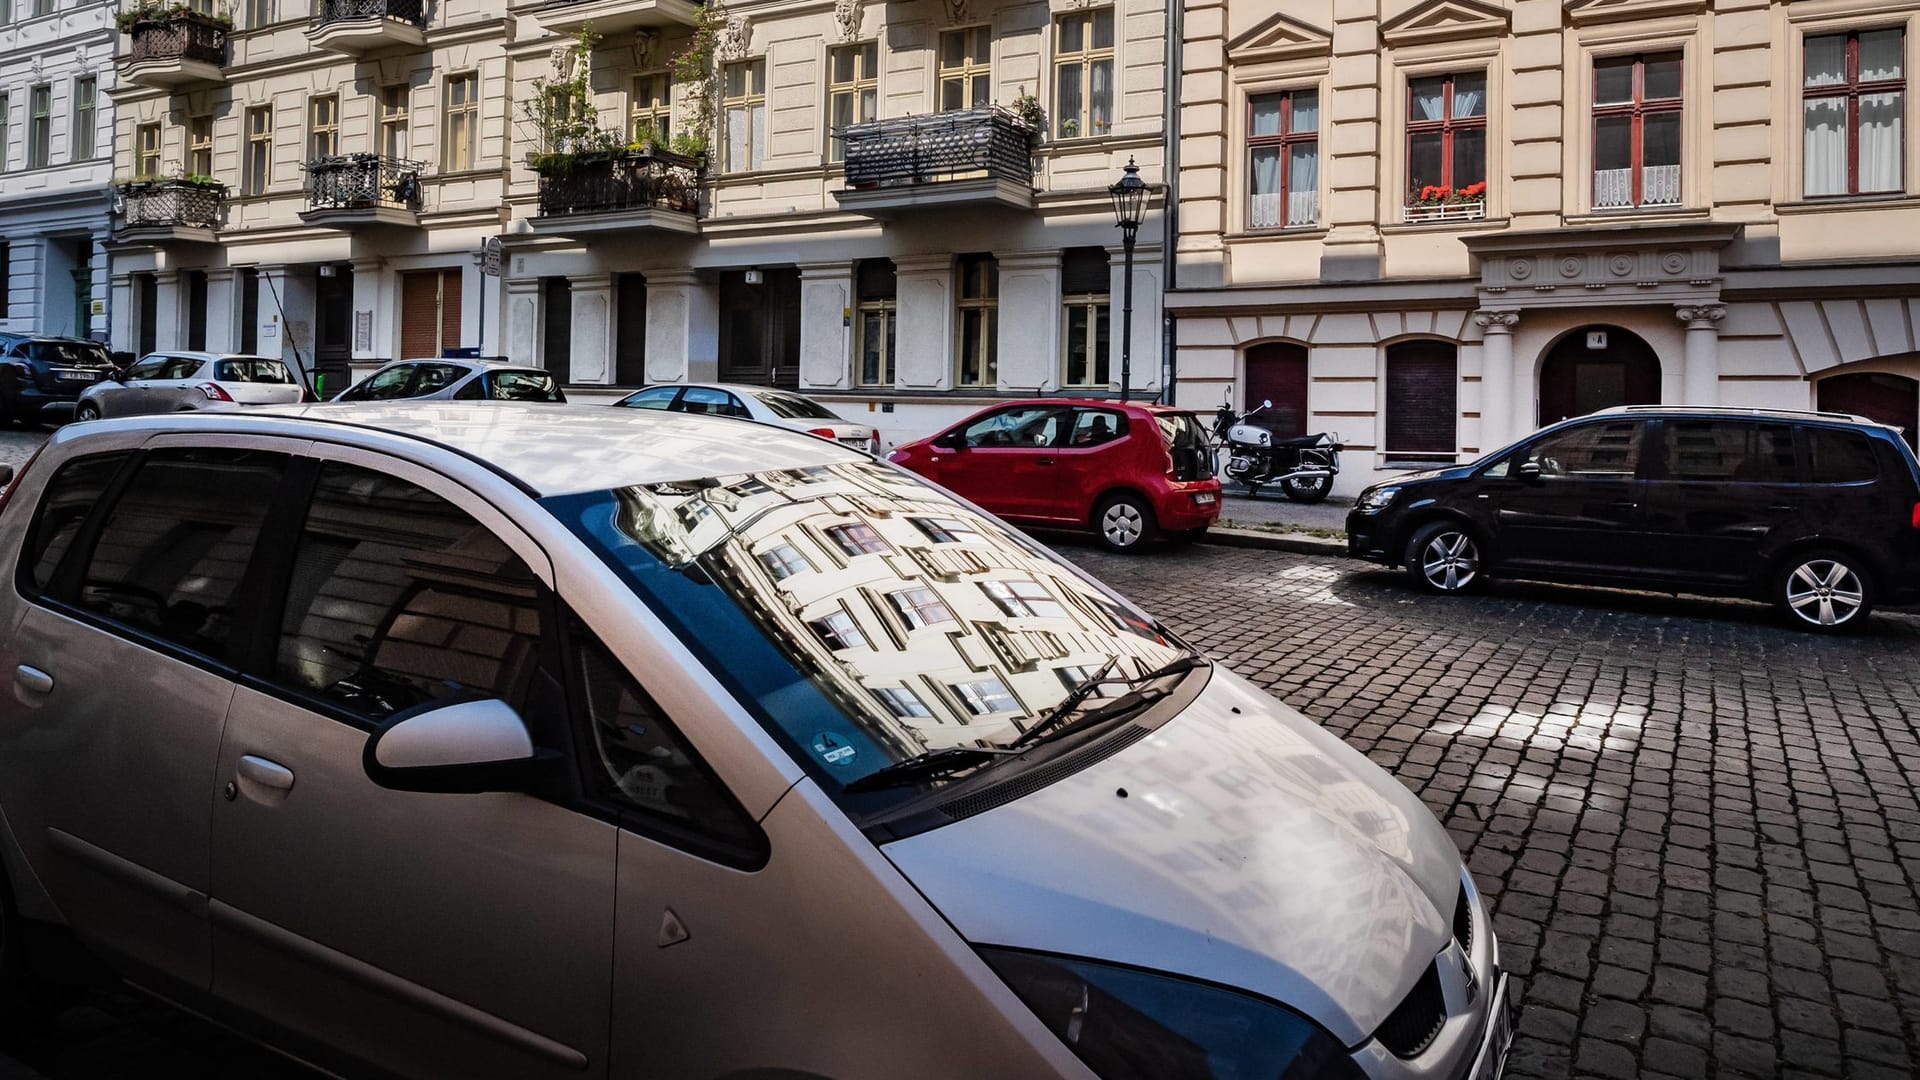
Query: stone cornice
1445	20
1279	37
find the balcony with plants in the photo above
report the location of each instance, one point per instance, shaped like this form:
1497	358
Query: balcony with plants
966	157
364	27
348	191
172	46
160	210
1434	202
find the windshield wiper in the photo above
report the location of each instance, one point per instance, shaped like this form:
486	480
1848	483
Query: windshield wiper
1067	704
928	766
1141	695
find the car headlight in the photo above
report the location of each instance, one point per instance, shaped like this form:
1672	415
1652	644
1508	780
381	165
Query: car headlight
1375	499
1128	1024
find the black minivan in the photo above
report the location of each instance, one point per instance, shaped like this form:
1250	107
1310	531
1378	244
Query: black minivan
1816	512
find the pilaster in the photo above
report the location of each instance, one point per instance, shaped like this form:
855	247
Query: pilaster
925	290
1028	342
826	326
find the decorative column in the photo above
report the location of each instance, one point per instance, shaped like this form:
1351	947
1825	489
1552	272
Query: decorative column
223	311
1498	423
169	324
1147	354
523	321
124	335
375	311
683	327
592	346
826	326
1028	346
924	288
1700	371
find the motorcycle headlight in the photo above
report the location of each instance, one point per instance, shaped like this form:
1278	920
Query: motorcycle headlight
1374	499
1127	1024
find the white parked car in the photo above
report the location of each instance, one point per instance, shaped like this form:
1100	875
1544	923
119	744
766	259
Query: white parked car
454	380
782	407
190	381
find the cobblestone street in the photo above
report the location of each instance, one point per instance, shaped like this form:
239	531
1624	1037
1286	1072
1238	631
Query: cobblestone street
1699	828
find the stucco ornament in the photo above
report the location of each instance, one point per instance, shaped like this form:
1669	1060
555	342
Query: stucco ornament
847	14
956	10
561	58
733	38
1700	316
643	46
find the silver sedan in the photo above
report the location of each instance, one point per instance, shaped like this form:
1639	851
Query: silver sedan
764	403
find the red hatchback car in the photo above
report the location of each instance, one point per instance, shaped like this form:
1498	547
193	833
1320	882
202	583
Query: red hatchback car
1129	472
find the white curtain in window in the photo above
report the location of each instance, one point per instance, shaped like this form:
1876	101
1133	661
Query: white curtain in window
1306	112
1880	55
1429	99
1880	139
757	117
736	122
1100	96
1264	211
1827	60
1824	151
1469	102
1303	183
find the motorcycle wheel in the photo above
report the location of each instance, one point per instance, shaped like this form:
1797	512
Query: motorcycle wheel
1307	489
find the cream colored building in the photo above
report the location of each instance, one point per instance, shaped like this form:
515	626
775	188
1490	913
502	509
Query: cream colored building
311	182
933	259
1683	203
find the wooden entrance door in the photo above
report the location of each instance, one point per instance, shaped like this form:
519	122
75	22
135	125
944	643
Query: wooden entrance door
760	328
1277	372
1576	380
429	313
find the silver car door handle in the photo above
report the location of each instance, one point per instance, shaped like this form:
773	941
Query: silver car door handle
266	773
32	679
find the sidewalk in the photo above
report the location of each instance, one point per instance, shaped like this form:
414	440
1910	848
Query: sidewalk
1277	512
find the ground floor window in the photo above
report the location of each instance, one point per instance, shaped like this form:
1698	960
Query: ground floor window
975	359
878	292
1085	278
1422	401
1277	372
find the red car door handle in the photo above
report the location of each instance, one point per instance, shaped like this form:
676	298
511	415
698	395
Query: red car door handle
1043	461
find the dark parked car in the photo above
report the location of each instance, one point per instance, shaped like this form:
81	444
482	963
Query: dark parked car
41	377
1817	512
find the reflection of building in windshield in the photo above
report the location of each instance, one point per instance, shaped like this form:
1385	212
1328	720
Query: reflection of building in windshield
938	625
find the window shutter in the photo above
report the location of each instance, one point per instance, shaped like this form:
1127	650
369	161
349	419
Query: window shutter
449	310
1422	399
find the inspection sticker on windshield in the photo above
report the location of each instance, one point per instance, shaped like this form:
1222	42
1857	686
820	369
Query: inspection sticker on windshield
833	749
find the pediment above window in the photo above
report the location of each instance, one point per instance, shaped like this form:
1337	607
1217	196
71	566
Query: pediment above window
1279	38
1590	12
1445	20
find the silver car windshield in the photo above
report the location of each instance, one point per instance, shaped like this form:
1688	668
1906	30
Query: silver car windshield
864	616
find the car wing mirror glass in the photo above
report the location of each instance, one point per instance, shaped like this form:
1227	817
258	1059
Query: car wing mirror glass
1528	470
952	440
463	745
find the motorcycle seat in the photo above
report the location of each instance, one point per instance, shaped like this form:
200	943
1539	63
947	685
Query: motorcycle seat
1298	440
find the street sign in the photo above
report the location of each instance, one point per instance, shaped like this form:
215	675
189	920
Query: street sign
490	256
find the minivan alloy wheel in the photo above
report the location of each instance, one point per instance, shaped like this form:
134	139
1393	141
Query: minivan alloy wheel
1445	557
1825	591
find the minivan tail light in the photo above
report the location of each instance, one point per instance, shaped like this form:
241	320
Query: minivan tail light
13	485
214	392
1916	515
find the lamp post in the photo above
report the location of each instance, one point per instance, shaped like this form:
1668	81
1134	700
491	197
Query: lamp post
1129	205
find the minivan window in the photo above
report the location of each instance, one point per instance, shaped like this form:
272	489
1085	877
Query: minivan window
398	597
67	352
1736	451
1596	451
70	495
1838	456
175	546
777	635
251	370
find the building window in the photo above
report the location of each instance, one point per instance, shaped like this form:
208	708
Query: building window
744	114
903	702
1283	159
853	90
1024	597
1853	102
259	160
783	562
1636	131
920	608
200	146
42	7
1084	286
1422	406
983	697
979	325
858	539
875	285
146	152
650	109
966	69
1083	73
6	128
259	13
323	127
463	122
393	121
1446	136
39	126
839	631
6	12
86	97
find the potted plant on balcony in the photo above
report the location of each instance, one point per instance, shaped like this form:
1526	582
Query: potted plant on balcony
1026	108
1436	202
203	182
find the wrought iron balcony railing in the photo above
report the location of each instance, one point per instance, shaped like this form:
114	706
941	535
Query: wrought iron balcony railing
363	182
637	180
146	204
182	35
943	146
328	12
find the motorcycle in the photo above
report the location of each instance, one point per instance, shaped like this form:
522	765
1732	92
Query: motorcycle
1303	466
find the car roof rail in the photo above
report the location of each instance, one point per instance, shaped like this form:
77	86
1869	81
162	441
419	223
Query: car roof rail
1737	410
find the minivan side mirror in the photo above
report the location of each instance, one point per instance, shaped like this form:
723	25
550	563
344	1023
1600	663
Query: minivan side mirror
952	440
1528	471
464	746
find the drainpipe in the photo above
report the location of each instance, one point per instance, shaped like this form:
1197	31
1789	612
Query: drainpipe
1169	206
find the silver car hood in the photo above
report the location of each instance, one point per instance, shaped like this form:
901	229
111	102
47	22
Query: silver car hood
1251	848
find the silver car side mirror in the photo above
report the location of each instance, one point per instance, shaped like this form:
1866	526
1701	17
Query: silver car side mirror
464	746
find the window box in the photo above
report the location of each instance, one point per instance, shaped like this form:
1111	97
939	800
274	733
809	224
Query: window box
1421	213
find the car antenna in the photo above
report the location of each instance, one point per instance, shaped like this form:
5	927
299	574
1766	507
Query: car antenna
299	365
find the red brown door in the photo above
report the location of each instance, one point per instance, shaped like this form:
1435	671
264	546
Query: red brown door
429	313
1277	372
1576	380
1889	399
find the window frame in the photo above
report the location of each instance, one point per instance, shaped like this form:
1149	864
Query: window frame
319	128
148	144
459	116
1283	143
1852	90
1086	58
6	127
754	96
863	89
256	165
987	307
40	126
83	140
200	144
1099	353
971	68
1446	127
1638	109
392	121
657	110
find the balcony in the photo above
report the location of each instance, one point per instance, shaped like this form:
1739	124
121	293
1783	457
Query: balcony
174	50
969	158
614	16
365	27
350	191
646	189
157	212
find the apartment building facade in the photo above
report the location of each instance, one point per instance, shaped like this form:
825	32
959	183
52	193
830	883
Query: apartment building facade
1433	225
56	160
897	206
311	182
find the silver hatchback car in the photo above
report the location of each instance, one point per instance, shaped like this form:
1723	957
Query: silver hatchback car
558	742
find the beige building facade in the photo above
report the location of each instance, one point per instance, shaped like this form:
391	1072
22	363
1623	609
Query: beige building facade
878	220
1434	225
312	182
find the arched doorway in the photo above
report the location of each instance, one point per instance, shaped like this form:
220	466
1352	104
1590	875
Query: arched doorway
1277	372
1594	368
1876	395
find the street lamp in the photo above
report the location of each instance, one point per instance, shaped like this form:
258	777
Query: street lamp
1129	206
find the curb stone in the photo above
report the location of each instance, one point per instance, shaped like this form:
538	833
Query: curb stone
1300	543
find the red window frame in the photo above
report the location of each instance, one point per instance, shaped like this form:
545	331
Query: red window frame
1638	109
1853	89
1446	126
1286	140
